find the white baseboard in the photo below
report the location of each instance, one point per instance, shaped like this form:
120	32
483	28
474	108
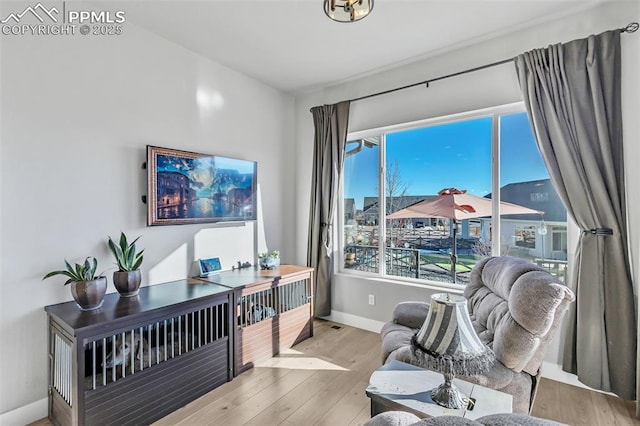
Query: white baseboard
555	372
26	414
355	321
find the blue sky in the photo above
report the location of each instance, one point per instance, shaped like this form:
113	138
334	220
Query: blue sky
449	155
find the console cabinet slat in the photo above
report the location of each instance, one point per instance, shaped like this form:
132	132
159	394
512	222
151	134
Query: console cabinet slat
182	339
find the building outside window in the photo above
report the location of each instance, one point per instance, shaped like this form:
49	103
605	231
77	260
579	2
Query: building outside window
389	169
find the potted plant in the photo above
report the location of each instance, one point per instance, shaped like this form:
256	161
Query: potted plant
269	260
87	288
127	278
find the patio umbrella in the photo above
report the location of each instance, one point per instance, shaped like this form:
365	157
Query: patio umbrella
456	204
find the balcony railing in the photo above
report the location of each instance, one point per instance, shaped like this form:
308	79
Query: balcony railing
557	268
399	262
361	258
410	263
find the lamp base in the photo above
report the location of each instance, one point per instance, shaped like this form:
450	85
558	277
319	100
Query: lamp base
448	395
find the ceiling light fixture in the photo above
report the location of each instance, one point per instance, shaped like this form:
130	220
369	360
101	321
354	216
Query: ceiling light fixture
347	10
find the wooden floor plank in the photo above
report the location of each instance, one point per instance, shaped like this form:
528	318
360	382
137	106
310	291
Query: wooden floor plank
250	389
322	381
606	412
612	410
354	400
366	361
287	404
329	342
311	411
244	385
348	407
579	409
245	411
546	402
632	410
362	417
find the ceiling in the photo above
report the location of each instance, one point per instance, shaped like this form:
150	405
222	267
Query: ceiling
291	45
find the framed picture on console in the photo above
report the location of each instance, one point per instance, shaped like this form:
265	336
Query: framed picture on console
187	187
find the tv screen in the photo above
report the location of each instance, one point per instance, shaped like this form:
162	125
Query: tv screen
187	187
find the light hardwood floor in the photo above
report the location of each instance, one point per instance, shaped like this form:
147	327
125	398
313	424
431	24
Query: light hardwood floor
322	380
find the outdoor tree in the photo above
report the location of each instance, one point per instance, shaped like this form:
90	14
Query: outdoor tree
395	189
395	186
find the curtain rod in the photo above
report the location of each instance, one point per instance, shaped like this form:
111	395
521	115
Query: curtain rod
631	28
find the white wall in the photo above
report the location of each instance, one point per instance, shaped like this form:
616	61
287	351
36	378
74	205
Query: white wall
490	87
77	114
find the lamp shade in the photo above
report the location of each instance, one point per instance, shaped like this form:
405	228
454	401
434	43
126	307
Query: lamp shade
447	342
347	10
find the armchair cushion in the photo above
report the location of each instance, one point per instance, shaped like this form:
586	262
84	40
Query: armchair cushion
411	314
515	307
394	336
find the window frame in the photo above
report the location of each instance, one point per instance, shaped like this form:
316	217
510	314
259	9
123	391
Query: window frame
494	113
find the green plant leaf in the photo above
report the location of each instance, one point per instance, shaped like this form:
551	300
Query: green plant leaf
84	271
117	252
79	271
122	261
138	262
53	273
125	253
93	269
113	247
131	254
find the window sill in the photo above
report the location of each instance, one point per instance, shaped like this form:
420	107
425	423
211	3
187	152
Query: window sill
422	284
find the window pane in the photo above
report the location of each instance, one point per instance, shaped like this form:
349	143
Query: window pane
361	204
419	163
524	181
434	245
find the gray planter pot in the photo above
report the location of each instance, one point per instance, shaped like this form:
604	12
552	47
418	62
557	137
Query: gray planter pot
89	295
269	262
127	282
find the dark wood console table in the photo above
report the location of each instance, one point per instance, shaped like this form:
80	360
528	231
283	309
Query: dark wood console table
182	333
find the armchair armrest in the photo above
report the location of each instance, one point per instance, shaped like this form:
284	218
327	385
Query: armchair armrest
410	314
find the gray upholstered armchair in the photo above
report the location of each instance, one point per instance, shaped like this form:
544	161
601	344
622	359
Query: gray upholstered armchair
515	308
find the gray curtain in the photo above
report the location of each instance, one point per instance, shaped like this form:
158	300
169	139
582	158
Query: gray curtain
572	95
330	123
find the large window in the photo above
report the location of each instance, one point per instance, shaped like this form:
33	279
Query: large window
400	171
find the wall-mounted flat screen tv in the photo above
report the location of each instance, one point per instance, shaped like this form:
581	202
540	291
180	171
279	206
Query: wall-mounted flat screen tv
187	187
